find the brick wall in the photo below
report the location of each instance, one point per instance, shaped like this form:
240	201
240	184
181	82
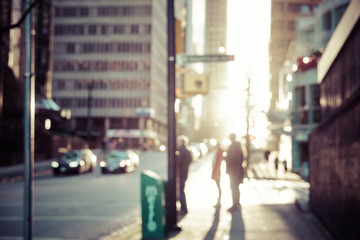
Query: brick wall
335	172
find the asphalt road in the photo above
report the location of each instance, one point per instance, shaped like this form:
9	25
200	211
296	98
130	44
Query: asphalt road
86	206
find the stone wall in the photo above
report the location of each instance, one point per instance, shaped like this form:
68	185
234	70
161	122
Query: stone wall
335	172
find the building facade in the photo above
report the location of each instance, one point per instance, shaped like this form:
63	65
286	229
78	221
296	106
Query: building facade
334	146
284	14
110	69
215	37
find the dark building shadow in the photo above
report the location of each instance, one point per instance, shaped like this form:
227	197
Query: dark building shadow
237	230
211	233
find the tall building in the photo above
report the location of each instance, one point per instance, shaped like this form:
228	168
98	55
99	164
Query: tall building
214	43
299	85
335	143
110	69
283	30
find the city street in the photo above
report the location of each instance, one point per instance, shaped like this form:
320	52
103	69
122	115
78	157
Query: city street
84	206
93	205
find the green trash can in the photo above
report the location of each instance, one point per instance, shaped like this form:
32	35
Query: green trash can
152	205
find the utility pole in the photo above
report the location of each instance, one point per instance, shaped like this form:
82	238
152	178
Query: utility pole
171	215
29	129
89	106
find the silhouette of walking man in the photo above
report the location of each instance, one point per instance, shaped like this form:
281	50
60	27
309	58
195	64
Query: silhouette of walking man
184	158
234	159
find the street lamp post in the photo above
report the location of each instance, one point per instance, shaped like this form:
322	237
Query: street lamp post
171	218
89	106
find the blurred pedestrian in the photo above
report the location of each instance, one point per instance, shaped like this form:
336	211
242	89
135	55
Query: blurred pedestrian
276	163
184	158
234	160
216	172
285	166
266	155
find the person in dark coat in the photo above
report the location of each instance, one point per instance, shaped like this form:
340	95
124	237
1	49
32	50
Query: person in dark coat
234	160
184	158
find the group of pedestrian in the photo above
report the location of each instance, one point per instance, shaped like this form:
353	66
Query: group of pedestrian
234	158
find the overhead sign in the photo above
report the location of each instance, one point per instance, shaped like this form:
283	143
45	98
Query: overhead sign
206	58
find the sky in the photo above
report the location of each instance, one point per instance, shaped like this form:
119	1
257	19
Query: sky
248	39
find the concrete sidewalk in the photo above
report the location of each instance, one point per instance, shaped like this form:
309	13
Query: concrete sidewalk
269	209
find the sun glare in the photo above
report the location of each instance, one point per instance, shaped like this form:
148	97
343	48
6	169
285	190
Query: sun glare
248	37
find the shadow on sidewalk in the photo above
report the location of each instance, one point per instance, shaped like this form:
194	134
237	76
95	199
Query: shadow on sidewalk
211	234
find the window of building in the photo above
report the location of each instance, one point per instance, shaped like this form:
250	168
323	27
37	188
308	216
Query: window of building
70	48
84	12
315	89
326	21
88	48
304	117
277	25
147	29
305	9
147	66
339	12
292	26
277	7
92	29
146	47
68	66
300	97
84	66
104	29
317	116
134	29
69	12
60	84
100	66
119	29
294	7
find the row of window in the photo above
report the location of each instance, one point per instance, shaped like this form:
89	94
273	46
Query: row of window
103	11
102	102
109	47
93	66
291	7
108	29
114	84
278	25
280	43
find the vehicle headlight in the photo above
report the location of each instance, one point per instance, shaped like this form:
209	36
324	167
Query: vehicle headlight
102	164
122	163
73	164
82	162
54	164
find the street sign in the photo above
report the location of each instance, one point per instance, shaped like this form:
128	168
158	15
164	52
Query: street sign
206	58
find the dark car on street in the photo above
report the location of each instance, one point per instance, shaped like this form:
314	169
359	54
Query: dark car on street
120	161
75	161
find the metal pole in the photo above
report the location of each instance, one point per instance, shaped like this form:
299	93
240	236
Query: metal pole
29	105
171	220
89	106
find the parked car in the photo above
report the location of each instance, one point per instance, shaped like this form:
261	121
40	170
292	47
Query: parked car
75	161
120	161
201	147
195	153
